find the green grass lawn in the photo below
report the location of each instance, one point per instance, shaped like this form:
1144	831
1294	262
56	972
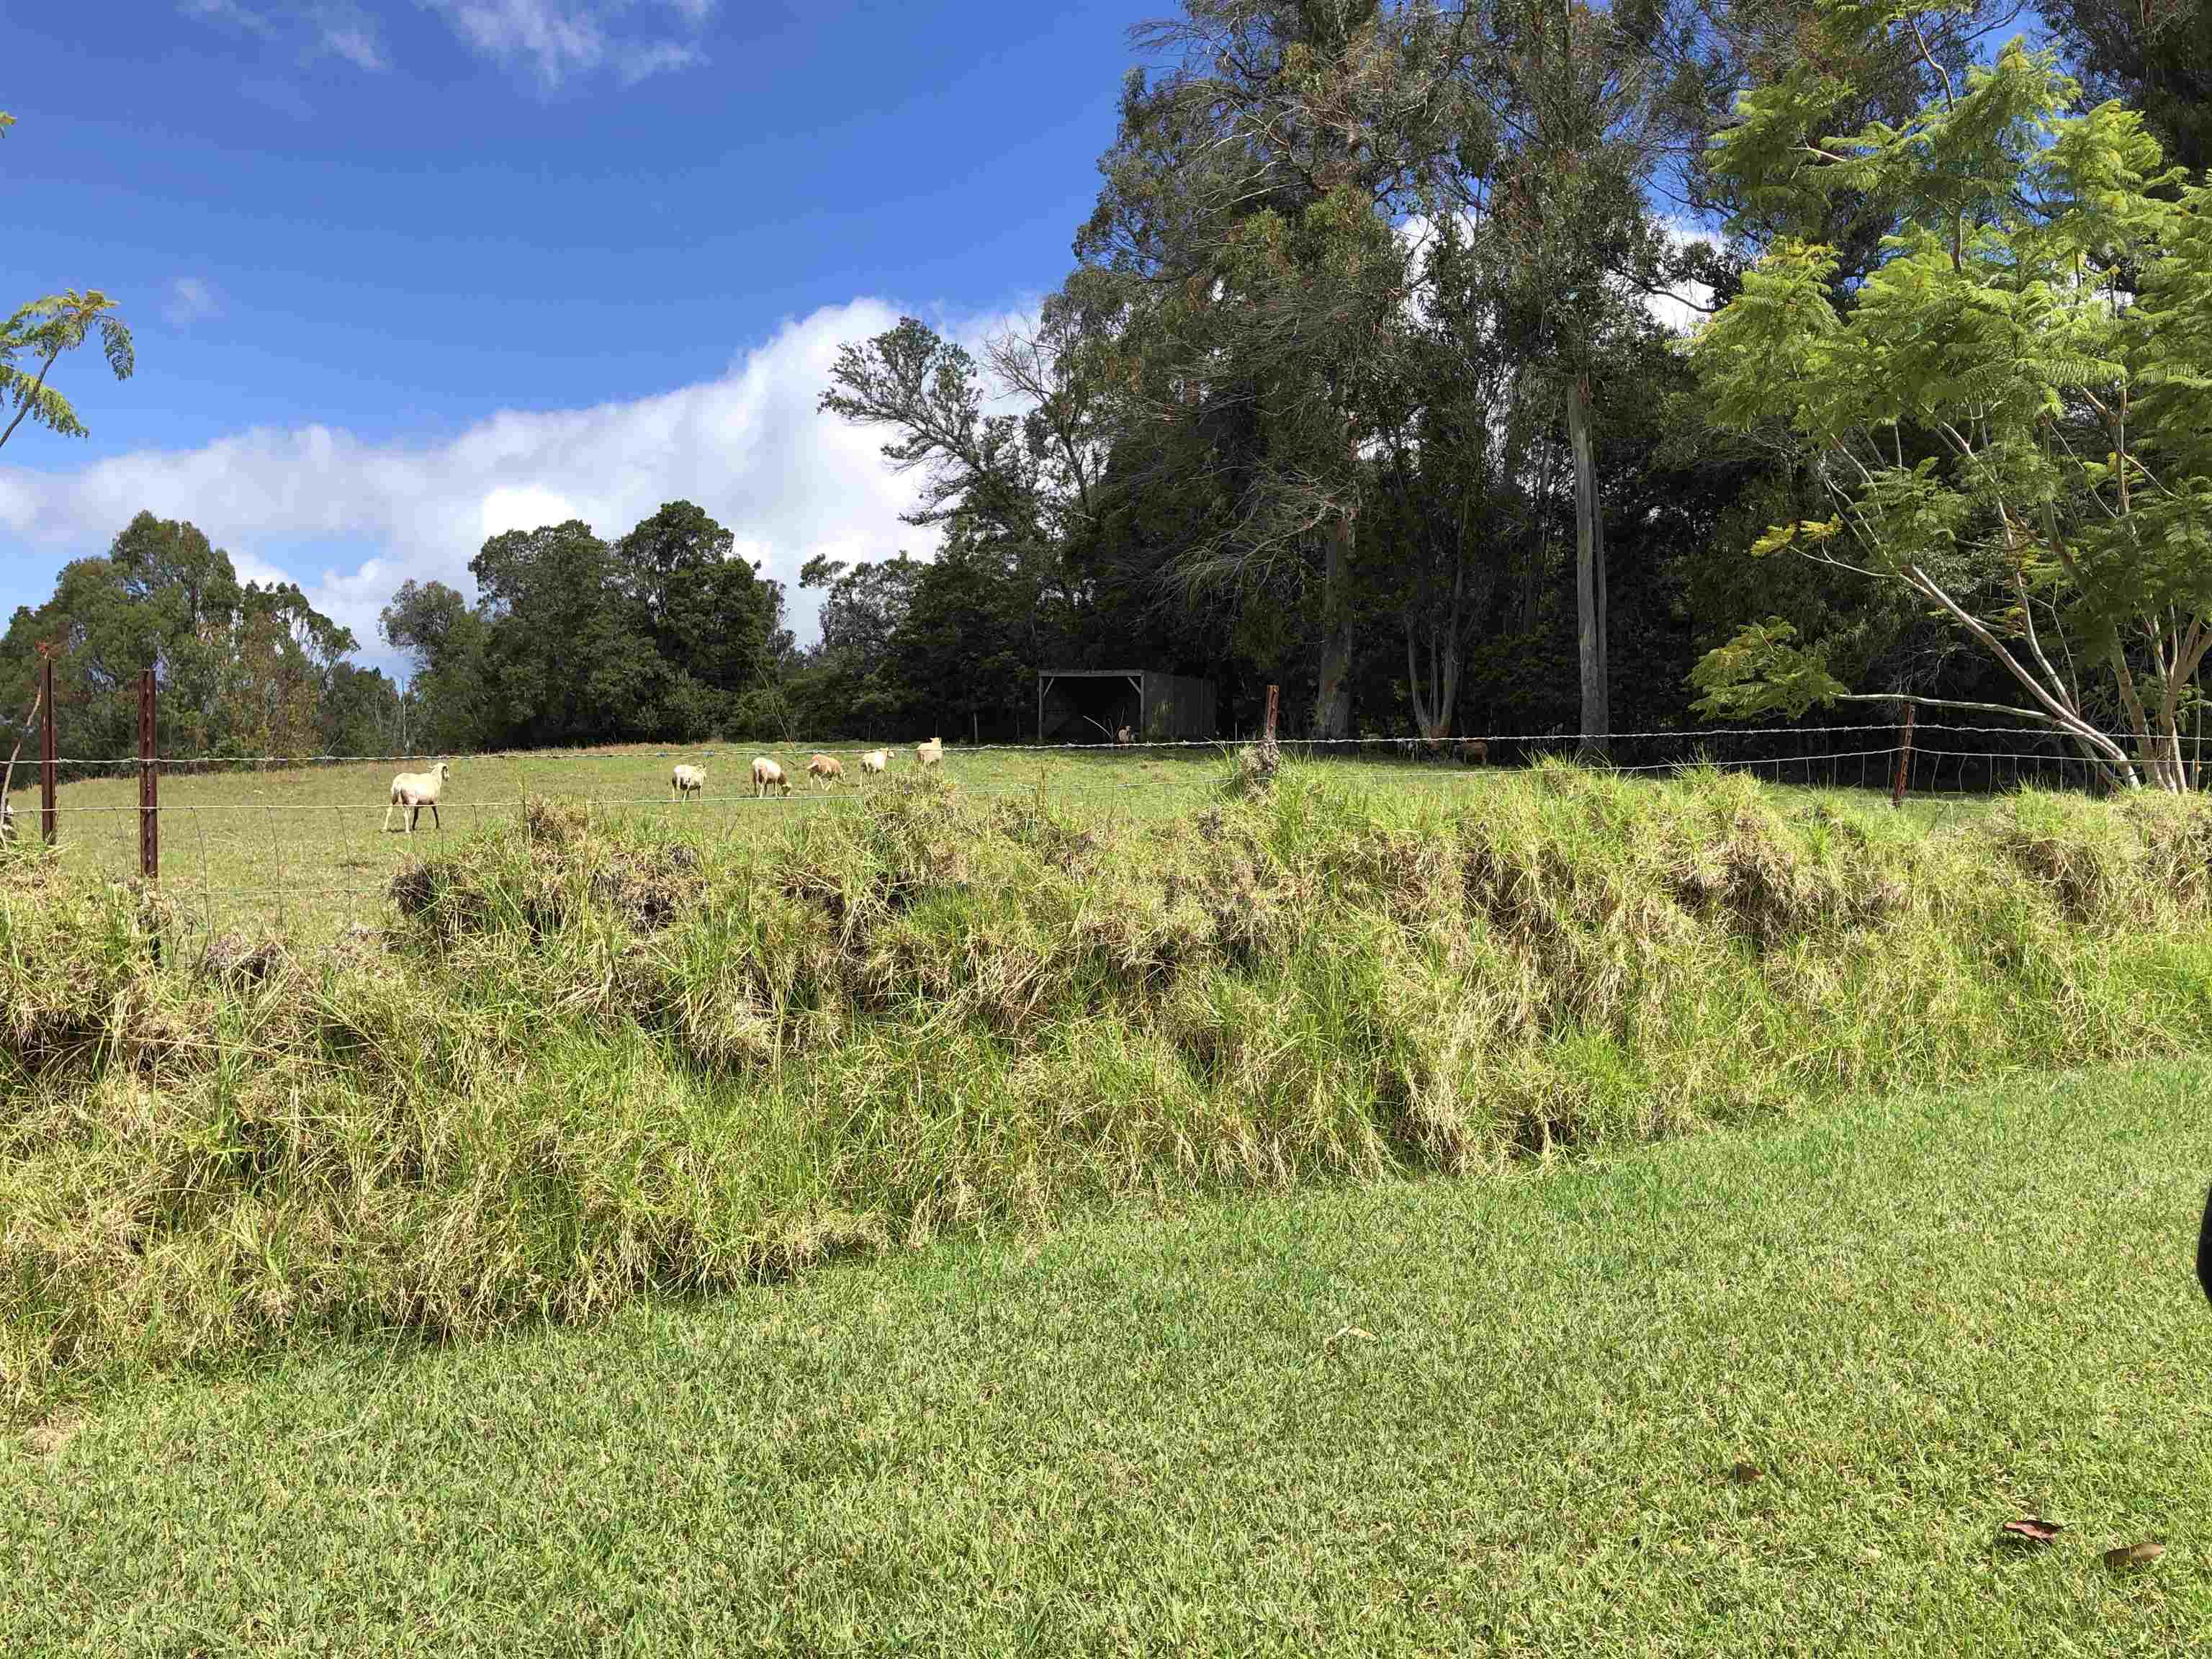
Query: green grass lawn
1489	1415
303	852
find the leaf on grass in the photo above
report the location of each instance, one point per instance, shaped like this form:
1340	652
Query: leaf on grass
1345	1331
2135	1555
2031	1530
1744	1473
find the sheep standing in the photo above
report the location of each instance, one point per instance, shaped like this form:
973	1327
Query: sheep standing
1475	751
826	770
877	761
413	791
767	775
7	819
930	753
1124	738
687	780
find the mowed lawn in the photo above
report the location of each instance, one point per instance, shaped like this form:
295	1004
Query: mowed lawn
1483	1416
303	851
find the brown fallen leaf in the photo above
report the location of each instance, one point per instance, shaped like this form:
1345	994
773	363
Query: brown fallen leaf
1744	1473
2135	1555
1345	1331
2031	1530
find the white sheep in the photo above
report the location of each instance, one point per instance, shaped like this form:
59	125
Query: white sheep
930	753
767	775
413	791
687	780
826	770
7	819
1124	738
877	761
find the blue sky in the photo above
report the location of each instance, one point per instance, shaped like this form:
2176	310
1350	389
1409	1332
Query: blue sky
405	273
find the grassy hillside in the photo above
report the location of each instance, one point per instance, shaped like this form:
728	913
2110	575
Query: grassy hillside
304	851
1445	1417
591	1057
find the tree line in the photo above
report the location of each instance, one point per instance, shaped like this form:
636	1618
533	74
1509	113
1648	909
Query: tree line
1365	381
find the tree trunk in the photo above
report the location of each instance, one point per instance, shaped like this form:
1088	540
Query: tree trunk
1589	572
1332	708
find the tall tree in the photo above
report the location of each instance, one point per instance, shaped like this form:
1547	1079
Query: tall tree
1248	208
2009	423
2154	54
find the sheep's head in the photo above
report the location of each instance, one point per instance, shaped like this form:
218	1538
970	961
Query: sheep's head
444	772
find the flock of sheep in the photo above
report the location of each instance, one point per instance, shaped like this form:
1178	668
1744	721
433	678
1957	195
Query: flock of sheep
412	792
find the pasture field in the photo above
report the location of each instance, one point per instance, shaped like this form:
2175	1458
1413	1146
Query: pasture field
301	851
1408	1417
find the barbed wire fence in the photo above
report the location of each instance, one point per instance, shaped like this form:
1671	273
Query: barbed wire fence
243	842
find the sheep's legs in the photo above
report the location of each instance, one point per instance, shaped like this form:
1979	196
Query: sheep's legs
437	823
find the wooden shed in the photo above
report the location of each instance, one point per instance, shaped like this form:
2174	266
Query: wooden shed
1075	704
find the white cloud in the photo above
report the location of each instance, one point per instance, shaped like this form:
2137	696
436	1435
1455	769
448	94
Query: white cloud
349	36
190	301
556	40
749	446
338	28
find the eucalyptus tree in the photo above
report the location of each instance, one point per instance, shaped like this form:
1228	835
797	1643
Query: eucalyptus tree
1251	217
2009	424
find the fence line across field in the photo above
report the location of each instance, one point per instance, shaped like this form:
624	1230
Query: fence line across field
843	750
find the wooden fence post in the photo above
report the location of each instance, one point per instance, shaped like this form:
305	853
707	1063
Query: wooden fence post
1903	759
149	804
49	818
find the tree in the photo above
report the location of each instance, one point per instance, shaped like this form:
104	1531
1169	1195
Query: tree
1249	214
446	708
706	611
2009	422
2154	54
243	669
38	336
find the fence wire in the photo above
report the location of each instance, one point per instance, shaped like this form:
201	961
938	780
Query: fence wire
289	854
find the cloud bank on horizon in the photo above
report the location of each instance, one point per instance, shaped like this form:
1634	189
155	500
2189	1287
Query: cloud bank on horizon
749	446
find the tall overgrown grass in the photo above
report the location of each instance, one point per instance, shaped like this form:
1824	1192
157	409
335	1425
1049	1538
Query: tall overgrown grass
590	1058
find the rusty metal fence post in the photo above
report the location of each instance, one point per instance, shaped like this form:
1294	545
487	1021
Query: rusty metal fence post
1903	759
49	818
150	787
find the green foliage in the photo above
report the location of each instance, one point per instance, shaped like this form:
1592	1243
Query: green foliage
2004	417
1762	671
37	337
243	669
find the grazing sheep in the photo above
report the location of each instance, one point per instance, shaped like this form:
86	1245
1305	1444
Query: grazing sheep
767	775
877	761
930	753
413	791
1123	738
826	770
1475	751
686	781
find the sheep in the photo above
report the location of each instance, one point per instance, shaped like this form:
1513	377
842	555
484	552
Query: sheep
877	761
1123	738
930	753
7	819
826	770
767	775
413	791
687	780
1475	751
